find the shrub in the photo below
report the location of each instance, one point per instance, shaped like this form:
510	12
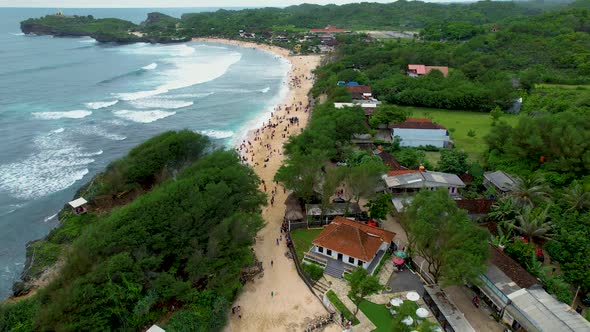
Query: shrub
314	271
521	252
341	307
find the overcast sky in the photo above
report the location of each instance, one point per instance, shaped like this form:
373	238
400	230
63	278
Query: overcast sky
171	3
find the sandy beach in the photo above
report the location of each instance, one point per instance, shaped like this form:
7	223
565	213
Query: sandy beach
279	300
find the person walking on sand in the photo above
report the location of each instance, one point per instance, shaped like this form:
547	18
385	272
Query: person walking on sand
271	263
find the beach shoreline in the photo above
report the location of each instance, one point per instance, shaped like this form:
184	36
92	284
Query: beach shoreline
279	300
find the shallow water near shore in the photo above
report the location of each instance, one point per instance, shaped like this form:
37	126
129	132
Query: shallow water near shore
69	106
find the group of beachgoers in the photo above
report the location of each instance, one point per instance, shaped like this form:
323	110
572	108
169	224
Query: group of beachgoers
269	131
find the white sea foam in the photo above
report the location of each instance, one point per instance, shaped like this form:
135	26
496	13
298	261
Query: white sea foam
189	95
88	40
98	131
143	116
50	217
191	71
95	105
56	164
157	49
183	68
265	90
10	208
17	33
166	103
140	94
219	134
57	131
151	66
78	114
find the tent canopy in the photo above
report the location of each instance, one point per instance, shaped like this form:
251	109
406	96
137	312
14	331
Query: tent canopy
78	202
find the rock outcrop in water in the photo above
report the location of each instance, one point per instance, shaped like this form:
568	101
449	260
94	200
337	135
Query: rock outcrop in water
158	28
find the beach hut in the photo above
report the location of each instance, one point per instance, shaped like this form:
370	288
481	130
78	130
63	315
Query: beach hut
78	205
294	216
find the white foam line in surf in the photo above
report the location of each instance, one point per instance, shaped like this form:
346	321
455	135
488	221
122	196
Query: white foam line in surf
95	105
217	134
155	103
78	114
183	71
50	217
143	116
151	66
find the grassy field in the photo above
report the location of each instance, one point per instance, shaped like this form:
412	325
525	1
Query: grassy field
379	315
302	240
459	123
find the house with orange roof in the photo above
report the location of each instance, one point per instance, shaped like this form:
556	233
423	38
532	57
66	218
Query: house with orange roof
419	70
346	244
328	30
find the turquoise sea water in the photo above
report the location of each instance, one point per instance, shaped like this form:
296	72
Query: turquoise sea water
69	106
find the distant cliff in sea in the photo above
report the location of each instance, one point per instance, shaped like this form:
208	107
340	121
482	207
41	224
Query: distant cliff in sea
157	28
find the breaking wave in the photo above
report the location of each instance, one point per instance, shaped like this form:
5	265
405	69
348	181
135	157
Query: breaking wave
78	114
95	105
219	134
143	116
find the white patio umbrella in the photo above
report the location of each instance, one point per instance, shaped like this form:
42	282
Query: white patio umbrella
396	302
413	296
408	321
422	313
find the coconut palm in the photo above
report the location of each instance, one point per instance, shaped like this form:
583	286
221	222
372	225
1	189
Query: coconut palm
532	222
576	196
504	208
531	190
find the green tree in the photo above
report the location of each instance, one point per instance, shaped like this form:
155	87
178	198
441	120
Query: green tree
454	248
361	284
380	206
532	222
576	197
386	114
300	173
364	178
453	161
531	190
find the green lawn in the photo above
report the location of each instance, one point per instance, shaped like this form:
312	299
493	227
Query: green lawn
302	240
459	123
379	315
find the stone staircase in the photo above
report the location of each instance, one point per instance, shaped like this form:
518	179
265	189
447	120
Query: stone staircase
321	287
334	271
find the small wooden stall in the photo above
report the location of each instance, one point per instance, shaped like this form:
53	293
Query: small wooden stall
79	205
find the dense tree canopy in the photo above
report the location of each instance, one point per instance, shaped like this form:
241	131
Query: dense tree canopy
183	244
455	248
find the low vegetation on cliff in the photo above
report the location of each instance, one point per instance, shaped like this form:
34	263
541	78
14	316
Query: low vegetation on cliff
178	249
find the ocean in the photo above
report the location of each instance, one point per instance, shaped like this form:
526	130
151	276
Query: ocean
69	106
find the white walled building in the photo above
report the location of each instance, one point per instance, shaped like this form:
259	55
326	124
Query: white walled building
421	132
352	243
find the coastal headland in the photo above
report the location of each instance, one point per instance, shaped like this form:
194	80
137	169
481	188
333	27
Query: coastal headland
279	300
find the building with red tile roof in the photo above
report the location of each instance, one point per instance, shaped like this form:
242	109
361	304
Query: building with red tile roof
353	243
419	70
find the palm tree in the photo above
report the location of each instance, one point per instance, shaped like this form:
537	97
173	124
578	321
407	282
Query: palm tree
532	222
504	208
532	189
576	196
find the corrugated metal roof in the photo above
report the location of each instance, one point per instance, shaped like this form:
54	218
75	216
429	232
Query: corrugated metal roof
423	179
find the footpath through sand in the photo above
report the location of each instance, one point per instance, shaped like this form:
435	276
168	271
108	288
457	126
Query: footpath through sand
279	300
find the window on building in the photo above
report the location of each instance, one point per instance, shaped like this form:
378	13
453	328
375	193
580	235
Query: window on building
320	249
360	263
351	260
329	252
